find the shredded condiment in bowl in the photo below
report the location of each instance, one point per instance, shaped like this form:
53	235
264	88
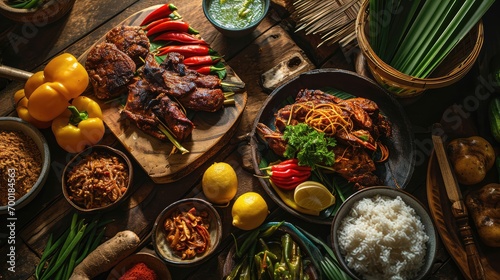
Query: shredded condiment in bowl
21	161
98	180
187	232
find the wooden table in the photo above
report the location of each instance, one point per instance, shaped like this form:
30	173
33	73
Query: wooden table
274	42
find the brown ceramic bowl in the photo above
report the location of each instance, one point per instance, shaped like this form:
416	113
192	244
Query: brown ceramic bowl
159	235
85	154
47	12
151	261
16	124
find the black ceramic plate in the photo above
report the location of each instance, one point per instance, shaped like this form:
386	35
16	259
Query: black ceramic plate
395	172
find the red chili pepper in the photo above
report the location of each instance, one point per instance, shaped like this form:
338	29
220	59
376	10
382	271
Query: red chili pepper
180	37
162	12
201	60
173	25
186	50
288	174
207	69
289	183
156	22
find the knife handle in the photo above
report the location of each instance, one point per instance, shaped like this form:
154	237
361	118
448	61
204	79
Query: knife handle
474	262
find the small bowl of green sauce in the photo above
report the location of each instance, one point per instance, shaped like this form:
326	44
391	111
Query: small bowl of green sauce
235	18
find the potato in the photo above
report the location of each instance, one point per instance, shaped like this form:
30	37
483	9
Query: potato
471	159
483	206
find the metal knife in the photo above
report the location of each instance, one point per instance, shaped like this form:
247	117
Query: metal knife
458	207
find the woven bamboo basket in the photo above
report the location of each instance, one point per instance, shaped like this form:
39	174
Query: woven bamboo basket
454	67
49	11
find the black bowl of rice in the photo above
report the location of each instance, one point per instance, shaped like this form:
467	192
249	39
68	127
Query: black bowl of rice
97	179
24	163
384	233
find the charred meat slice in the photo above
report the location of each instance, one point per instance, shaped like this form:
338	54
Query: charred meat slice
315	95
110	70
166	81
175	119
131	40
203	99
137	109
355	165
144	108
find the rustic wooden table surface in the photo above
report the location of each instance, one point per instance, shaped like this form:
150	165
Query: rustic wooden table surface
30	47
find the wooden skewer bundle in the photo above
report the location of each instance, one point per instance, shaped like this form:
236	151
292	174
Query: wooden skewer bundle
332	20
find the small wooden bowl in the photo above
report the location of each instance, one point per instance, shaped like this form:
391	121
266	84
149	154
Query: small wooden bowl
101	149
47	12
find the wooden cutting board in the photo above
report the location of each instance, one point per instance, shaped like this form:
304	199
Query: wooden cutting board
212	130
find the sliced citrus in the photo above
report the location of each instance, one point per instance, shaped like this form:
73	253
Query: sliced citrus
313	195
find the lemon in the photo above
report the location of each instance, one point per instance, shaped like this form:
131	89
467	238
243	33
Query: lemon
249	211
313	196
219	183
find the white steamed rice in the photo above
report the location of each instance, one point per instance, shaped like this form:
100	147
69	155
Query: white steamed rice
383	238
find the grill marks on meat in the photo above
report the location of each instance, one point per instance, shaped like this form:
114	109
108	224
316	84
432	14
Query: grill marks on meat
131	40
158	91
166	81
193	90
203	99
144	107
110	70
174	118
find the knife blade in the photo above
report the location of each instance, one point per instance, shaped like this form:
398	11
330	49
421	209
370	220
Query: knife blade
458	208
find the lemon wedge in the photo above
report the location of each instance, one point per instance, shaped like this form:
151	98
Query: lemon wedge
313	195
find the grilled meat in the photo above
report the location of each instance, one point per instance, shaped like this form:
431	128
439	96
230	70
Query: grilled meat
138	108
173	116
144	107
193	90
356	137
355	165
110	70
131	40
203	99
168	82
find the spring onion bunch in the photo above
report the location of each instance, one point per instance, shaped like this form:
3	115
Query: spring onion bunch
62	255
415	36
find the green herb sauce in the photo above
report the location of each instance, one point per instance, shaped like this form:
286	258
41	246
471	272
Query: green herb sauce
236	14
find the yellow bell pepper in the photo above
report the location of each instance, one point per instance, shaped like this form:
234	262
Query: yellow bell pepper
22	110
62	79
79	126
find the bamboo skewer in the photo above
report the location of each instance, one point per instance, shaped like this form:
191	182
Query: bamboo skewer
333	21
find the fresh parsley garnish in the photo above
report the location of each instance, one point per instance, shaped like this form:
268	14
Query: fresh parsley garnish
308	145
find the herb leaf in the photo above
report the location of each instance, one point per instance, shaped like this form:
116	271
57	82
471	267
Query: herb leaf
308	145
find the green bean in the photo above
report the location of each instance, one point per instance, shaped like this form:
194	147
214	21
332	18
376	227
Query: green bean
235	271
65	252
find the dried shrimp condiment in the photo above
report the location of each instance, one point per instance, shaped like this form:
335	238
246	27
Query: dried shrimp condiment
21	161
97	180
187	232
